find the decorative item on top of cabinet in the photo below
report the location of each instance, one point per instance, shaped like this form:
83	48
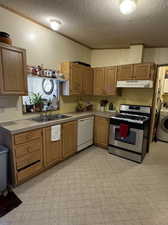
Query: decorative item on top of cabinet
12	70
125	72
79	79
144	71
69	138
52	149
105	81
101	131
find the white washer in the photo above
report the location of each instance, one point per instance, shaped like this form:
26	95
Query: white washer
162	131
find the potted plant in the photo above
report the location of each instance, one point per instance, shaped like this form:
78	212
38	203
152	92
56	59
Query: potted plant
37	101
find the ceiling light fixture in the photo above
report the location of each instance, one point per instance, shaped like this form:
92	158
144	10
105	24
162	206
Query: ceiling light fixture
127	6
55	24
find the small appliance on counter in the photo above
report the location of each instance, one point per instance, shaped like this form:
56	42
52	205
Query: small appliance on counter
129	132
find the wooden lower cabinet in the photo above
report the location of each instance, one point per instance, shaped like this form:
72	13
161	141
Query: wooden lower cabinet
69	138
52	149
27	149
32	152
101	131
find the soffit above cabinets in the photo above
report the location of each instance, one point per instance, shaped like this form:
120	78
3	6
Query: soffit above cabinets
99	24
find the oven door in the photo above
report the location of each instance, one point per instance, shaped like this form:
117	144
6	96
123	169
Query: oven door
133	142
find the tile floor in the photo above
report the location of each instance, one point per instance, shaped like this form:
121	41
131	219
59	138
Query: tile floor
96	188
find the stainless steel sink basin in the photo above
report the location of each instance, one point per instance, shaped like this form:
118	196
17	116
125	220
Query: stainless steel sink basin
45	118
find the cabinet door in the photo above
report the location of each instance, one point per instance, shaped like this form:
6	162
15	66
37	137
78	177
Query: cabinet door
110	80
99	81
76	79
87	81
12	71
52	149
142	72
101	130
69	130
125	72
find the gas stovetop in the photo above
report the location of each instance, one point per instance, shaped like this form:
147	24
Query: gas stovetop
131	118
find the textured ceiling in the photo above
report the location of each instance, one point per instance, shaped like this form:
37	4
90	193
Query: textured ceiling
98	23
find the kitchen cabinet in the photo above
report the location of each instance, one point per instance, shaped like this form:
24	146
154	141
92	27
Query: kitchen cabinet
80	79
110	79
143	71
125	72
101	131
87	81
99	81
69	138
105	81
26	154
52	149
12	71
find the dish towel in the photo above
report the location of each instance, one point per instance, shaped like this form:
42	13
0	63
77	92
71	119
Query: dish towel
124	129
56	133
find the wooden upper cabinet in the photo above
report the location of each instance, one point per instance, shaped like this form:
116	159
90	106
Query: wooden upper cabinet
69	138
12	71
80	78
75	79
125	72
110	79
52	149
87	81
143	71
101	131
98	87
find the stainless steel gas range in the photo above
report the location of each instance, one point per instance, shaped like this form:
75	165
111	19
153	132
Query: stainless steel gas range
129	132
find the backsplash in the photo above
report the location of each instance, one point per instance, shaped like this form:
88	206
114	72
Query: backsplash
11	107
128	96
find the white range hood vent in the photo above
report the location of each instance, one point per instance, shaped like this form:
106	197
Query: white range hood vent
135	84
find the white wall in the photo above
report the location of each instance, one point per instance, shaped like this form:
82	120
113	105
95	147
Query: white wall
111	57
43	47
157	55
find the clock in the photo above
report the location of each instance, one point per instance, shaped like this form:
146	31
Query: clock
48	86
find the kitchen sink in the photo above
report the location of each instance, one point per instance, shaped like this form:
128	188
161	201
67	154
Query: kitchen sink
45	118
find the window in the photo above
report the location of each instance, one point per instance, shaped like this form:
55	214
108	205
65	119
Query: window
46	88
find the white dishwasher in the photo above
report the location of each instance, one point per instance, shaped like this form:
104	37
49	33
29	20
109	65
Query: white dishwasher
85	133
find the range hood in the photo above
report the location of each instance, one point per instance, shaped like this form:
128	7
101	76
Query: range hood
135	84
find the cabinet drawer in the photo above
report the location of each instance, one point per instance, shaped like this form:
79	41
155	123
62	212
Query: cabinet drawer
23	149
28	159
29	172
27	136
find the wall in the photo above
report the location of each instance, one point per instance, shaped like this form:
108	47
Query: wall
157	55
43	47
111	57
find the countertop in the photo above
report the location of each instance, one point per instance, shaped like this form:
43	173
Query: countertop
18	126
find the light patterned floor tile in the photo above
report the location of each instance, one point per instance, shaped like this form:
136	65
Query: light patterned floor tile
97	188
